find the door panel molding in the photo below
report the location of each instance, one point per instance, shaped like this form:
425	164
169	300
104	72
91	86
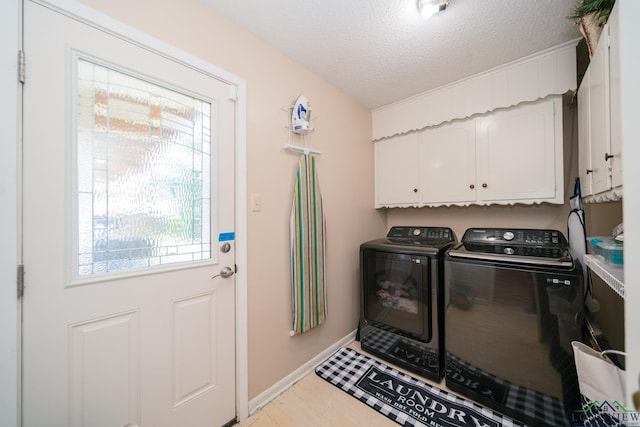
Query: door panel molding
193	345
91	381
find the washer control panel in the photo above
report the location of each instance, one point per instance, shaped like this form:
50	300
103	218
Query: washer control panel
515	236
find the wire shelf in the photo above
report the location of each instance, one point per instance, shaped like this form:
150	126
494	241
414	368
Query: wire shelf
611	274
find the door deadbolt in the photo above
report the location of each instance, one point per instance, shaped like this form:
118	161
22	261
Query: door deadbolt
225	247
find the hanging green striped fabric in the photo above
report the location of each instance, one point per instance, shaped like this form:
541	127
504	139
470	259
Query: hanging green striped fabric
307	227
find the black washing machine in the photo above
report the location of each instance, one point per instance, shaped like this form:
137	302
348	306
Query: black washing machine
513	304
402	296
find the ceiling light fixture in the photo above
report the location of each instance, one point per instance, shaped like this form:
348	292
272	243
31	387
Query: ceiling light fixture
428	8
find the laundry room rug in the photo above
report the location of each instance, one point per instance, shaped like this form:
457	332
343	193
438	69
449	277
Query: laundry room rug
401	397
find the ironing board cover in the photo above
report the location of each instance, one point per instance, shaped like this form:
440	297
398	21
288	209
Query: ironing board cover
307	227
577	237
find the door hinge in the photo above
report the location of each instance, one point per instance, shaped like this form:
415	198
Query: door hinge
20	281
21	71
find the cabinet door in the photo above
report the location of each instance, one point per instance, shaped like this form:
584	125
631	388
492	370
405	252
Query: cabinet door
614	97
599	116
397	171
584	136
448	162
518	157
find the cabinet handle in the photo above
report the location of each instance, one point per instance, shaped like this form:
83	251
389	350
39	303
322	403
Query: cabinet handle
484	185
471	186
415	190
607	156
589	171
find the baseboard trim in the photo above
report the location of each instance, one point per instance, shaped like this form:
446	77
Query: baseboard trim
275	390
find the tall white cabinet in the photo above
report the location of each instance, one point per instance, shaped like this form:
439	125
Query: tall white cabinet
600	143
615	107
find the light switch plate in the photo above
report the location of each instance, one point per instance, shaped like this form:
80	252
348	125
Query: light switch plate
255	203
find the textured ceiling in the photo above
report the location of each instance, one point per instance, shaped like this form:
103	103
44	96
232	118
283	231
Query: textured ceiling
381	51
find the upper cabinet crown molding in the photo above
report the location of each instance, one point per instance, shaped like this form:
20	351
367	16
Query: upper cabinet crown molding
550	72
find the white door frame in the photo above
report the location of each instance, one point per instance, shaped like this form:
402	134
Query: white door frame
10	123
10	30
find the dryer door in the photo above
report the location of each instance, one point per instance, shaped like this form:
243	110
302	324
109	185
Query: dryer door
397	292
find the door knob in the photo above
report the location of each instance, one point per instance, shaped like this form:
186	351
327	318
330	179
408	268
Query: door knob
224	273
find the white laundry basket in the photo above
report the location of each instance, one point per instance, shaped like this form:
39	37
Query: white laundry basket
603	390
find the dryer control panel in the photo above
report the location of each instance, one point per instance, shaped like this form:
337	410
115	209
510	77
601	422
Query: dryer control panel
421	235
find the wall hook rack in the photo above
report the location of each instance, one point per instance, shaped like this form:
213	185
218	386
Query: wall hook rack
299	123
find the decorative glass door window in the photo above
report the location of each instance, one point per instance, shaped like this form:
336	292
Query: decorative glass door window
144	189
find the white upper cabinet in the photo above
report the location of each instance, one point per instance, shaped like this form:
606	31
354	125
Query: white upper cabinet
492	138
505	157
600	151
397	171
520	154
448	163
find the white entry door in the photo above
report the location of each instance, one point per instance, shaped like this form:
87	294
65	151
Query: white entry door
128	200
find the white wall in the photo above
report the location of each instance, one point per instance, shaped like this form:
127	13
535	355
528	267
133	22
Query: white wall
630	94
9	26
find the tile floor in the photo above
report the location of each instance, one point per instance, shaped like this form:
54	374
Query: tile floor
314	402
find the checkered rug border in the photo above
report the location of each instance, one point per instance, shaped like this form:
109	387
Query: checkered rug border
530	402
379	339
346	367
524	400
